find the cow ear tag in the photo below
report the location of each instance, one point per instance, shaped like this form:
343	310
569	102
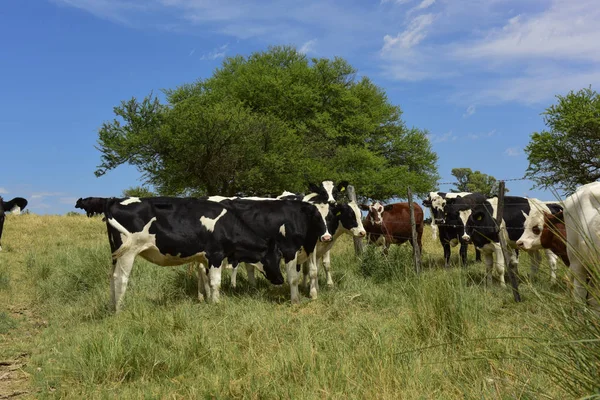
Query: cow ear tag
479	218
338	213
342	189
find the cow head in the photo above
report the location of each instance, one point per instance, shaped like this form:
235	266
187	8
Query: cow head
534	225
375	212
328	192
349	218
436	202
79	203
271	263
14	206
480	228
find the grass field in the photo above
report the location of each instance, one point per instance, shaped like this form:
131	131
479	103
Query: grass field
380	333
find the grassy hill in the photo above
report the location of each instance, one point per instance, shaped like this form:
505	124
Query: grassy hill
380	332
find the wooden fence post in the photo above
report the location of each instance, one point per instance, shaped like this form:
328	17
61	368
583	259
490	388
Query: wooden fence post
413	226
510	267
358	243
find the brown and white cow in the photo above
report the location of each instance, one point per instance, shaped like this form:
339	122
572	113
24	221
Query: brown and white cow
553	235
389	224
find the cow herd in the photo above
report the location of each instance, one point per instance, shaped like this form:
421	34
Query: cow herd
568	229
299	231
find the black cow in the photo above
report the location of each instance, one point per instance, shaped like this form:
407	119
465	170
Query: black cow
171	231
477	214
91	205
449	234
296	225
342	216
15	206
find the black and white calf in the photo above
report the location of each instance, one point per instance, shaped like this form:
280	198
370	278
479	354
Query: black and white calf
171	231
297	227
13	206
448	233
91	205
477	215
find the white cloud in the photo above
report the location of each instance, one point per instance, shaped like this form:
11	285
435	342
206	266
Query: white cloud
68	200
513	152
477	136
411	36
216	53
446	137
308	47
192	52
3	191
470	111
425	4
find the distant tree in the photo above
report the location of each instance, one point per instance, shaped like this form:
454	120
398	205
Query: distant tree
268	122
138	191
469	181
568	154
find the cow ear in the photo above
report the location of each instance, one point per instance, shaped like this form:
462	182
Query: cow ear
341	187
388	207
427	203
363	207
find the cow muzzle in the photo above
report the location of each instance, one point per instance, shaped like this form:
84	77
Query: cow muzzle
326	238
466	238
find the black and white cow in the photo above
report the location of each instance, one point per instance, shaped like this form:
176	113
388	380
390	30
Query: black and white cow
171	231
297	226
91	205
342	216
477	214
449	234
13	206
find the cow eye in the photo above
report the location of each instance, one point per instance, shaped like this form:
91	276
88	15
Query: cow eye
536	230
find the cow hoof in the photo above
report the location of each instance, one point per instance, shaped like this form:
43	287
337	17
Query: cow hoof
313	294
330	284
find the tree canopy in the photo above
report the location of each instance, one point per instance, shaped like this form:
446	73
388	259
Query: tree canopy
469	181
269	122
568	153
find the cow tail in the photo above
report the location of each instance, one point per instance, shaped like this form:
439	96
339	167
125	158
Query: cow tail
112	222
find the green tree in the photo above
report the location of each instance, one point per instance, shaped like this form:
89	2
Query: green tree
269	122
138	191
568	153
469	181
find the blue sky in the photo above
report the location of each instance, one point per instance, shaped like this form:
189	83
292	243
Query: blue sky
476	74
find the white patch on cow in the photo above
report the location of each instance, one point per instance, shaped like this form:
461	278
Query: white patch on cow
130	200
285	194
324	211
464	216
16	210
359	230
218	199
438	203
282	230
328	185
209	223
309	196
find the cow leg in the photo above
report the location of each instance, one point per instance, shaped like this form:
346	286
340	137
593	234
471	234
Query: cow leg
463	254
250	274
579	279
203	287
305	272
214	277
447	254
552	260
234	276
477	254
120	276
499	264
313	274
536	260
327	267
293	278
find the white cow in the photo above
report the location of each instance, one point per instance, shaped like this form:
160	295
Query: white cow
582	220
